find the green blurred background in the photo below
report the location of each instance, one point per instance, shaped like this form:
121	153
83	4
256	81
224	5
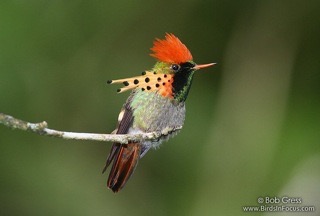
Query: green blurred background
252	128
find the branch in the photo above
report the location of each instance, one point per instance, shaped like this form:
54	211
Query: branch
41	128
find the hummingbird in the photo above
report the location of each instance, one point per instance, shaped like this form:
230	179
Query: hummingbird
156	103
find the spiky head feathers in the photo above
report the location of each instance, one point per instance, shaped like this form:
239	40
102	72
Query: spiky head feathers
170	50
171	75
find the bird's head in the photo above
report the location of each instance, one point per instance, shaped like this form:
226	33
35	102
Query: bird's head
172	75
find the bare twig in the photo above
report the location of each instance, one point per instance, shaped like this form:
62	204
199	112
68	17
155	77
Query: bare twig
41	128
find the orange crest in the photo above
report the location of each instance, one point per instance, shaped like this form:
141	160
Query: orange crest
170	50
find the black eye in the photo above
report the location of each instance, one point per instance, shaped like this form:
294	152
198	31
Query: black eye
175	67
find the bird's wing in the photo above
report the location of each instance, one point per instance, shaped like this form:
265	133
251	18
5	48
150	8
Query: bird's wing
125	120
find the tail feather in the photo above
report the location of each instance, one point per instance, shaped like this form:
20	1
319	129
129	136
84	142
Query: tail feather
125	159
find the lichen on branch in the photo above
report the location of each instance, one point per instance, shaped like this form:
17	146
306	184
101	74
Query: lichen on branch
41	128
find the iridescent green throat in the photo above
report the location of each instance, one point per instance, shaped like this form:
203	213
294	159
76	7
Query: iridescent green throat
182	81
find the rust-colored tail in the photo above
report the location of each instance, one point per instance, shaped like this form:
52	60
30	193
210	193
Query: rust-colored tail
125	159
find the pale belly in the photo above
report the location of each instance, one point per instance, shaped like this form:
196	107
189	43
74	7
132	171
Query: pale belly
153	112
